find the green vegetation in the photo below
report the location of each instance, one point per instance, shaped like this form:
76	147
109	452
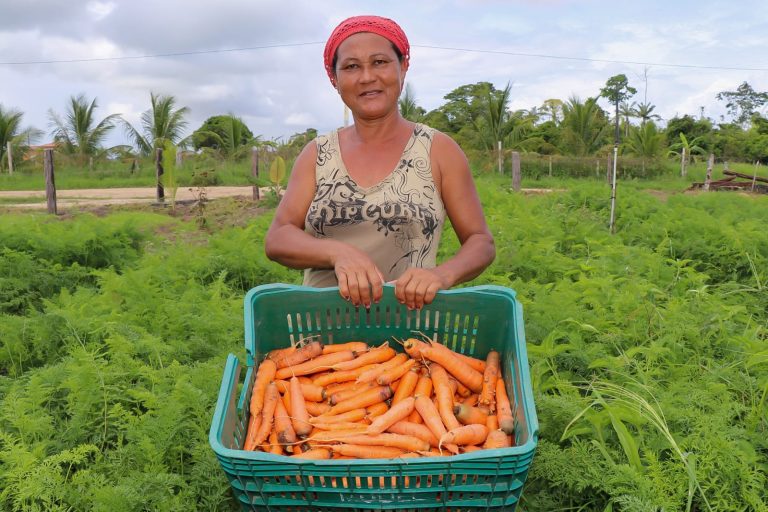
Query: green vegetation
647	348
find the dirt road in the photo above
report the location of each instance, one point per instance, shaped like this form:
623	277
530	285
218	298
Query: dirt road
35	199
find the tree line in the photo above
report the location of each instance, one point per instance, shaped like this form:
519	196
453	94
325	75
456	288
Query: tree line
477	116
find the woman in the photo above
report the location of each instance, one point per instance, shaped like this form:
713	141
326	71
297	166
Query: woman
366	204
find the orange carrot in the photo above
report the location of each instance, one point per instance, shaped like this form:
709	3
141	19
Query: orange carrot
490	376
308	391
280	353
254	422
504	408
423	387
413	348
431	418
492	422
353	415
496	439
392	374
454	365
471	400
357	347
329	436
316	408
314	365
298	356
274	443
396	413
341	376
341	425
370	375
468	415
364	399
271	397
299	413
419	430
406	387
465	435
444	396
282	425
477	364
373	356
470	449
462	390
375	410
410	443
350	392
264	375
367	452
314	453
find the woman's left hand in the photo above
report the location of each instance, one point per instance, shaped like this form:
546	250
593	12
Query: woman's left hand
418	286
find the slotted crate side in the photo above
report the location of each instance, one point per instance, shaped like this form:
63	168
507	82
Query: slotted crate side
462	319
456	318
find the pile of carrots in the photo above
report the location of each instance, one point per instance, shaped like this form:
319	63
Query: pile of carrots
350	400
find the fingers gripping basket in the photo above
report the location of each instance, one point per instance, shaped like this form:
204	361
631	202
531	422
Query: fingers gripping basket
469	320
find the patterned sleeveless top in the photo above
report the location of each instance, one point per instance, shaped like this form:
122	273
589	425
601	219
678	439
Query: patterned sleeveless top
397	222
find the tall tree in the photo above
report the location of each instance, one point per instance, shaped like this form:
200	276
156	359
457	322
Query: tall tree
743	102
162	122
553	108
78	133
617	90
228	134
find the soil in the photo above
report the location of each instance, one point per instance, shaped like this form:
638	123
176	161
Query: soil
35	199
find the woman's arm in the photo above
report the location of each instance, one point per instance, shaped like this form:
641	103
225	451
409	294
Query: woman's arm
287	242
417	287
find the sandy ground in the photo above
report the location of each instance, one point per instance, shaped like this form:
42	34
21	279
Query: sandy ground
145	195
108	196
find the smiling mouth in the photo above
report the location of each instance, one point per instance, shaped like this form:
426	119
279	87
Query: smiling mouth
370	93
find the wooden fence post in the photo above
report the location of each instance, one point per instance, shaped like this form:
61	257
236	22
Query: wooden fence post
501	159
754	175
683	168
516	176
10	158
160	194
710	166
255	172
50	183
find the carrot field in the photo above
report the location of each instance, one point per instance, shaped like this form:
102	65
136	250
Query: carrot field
648	348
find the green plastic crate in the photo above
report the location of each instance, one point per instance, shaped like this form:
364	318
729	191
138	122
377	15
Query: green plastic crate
468	320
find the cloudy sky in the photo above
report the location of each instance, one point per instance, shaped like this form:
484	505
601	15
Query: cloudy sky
262	59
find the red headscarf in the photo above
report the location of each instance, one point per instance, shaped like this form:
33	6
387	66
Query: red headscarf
376	24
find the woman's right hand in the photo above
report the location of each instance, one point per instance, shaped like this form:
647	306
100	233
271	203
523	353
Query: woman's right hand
360	280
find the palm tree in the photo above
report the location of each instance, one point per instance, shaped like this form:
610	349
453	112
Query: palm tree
644	111
585	126
408	107
162	123
645	141
627	111
554	109
79	134
10	125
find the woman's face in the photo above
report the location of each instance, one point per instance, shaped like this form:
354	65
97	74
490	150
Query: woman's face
369	75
